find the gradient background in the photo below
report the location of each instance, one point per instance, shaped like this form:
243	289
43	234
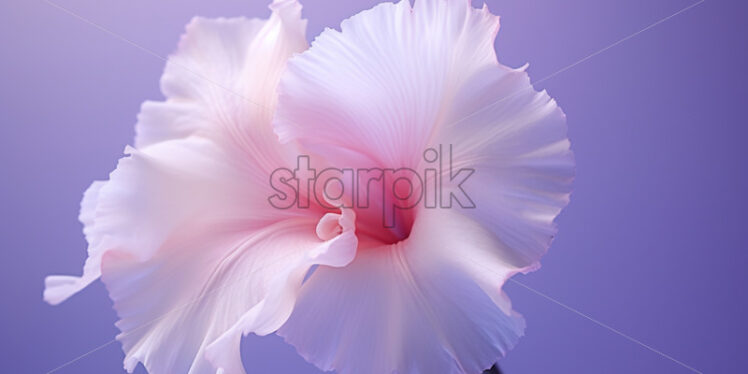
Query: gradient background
654	241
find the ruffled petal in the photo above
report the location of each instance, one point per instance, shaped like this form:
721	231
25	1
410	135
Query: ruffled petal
187	246
274	309
57	288
209	288
514	140
429	304
375	92
397	81
221	83
186	214
198	79
393	83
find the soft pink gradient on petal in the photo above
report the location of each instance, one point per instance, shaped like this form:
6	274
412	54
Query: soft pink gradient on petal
273	310
429	304
221	84
392	83
194	257
182	233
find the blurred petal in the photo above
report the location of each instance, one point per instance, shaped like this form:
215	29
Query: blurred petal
429	304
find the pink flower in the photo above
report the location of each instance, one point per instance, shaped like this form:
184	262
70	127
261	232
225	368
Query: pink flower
195	255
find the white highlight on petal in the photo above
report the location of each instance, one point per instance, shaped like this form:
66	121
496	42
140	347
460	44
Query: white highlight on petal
182	234
392	83
194	258
377	90
58	288
429	304
272	312
221	84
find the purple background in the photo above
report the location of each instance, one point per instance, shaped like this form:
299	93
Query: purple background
654	241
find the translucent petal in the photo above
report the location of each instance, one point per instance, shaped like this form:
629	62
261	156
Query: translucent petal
429	304
375	92
394	82
221	84
182	232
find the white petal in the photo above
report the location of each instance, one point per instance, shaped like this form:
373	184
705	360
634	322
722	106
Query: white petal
515	141
188	246
174	305
177	214
376	91
430	304
159	191
221	83
272	311
57	288
394	82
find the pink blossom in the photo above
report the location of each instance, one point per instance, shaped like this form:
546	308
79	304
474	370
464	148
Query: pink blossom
195	256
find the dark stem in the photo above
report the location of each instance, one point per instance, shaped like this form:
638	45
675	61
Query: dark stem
493	370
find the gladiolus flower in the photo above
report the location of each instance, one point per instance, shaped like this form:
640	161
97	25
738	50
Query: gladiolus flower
471	167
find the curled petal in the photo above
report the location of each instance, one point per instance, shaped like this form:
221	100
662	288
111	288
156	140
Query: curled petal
57	288
184	243
194	248
397	81
394	82
272	311
429	304
182	233
193	301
